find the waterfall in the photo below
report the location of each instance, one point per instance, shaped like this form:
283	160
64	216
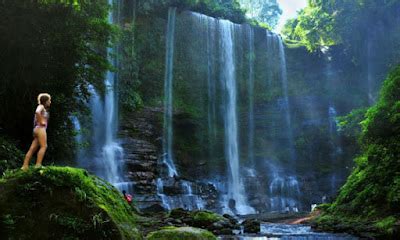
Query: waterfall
97	114
112	152
168	157
187	199
228	78
370	73
283	189
105	155
211	88
251	56
283	68
333	123
78	139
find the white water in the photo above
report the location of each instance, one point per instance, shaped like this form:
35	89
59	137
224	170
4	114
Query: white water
160	193
186	200
168	157
105	155
272	231
228	77
78	138
112	152
284	79
370	78
251	56
284	191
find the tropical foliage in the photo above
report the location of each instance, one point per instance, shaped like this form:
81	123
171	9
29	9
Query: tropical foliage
226	9
50	46
372	192
264	11
330	22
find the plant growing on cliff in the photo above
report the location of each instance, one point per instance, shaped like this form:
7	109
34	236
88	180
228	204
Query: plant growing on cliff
372	191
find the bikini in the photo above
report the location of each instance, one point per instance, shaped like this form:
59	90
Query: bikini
36	124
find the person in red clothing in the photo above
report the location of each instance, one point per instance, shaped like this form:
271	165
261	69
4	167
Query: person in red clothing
127	197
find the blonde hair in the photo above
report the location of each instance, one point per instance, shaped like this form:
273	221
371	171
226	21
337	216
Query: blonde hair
43	97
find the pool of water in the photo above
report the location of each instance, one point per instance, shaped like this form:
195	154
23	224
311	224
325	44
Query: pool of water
274	231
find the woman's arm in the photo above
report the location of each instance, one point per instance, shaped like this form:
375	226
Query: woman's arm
39	118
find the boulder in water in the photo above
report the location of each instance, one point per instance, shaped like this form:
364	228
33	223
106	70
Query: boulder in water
182	233
251	225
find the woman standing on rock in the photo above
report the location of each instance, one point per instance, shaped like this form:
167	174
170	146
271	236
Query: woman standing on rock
40	122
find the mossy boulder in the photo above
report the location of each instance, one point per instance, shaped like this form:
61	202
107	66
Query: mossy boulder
213	222
182	233
63	203
206	218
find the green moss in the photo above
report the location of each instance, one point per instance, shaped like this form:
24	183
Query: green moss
67	202
371	194
206	216
386	224
183	233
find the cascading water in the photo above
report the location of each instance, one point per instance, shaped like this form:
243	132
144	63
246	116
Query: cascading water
211	88
186	200
370	73
104	158
78	137
168	157
251	95
228	79
229	69
333	123
288	120
284	190
112	152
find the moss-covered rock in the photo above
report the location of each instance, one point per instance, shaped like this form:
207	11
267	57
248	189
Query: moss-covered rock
205	218
182	233
63	203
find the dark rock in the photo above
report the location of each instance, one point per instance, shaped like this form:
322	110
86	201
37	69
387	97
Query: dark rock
179	213
231	219
177	221
169	220
225	231
232	204
251	225
155	208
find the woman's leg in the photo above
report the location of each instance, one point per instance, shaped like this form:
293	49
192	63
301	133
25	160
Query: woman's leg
28	156
42	138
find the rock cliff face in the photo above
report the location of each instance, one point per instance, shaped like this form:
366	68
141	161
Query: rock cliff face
140	135
290	151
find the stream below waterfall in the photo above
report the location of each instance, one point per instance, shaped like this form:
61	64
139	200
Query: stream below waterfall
277	231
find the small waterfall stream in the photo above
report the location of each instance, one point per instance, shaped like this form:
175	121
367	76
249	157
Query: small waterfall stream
185	200
251	56
168	157
284	79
